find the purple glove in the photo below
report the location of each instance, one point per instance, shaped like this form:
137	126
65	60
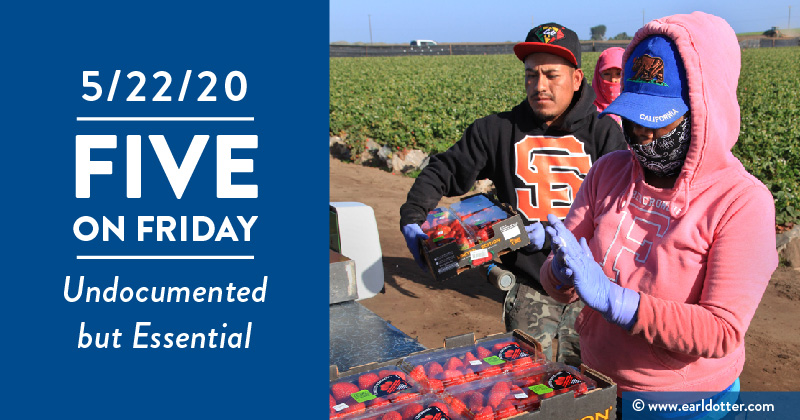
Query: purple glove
617	304
413	234
536	236
559	234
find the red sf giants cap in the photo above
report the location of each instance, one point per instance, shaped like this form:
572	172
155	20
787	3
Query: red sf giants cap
551	38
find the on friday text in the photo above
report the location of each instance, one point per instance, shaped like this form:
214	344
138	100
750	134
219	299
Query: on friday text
166	228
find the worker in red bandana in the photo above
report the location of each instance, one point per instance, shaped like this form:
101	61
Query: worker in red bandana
607	78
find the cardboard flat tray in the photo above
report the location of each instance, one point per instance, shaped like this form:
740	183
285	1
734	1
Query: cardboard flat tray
597	403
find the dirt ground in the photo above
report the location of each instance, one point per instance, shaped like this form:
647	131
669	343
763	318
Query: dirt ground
429	310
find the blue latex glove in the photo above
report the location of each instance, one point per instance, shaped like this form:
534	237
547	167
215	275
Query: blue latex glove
413	234
560	235
617	304
536	236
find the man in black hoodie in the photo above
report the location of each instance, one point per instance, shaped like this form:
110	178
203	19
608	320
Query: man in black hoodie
536	155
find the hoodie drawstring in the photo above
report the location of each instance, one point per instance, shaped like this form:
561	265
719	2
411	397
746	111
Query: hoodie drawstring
680	201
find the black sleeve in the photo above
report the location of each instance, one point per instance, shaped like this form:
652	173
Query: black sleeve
449	173
609	136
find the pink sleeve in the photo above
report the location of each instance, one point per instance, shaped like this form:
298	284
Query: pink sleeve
740	262
580	222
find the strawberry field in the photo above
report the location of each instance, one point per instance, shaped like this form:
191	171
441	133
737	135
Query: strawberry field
427	102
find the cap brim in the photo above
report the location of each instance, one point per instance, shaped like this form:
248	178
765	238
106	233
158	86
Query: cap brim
524	49
647	110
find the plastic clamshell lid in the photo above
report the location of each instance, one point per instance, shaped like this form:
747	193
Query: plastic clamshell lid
353	394
515	392
423	406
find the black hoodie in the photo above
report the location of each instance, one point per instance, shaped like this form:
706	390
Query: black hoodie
535	168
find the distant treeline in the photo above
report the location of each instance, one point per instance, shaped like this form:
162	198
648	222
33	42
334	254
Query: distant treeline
343	49
378	50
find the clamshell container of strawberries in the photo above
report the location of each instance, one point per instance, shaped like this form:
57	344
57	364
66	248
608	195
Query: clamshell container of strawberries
424	407
375	388
516	392
470	233
439	370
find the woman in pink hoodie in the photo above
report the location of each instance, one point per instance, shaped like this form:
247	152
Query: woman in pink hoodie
677	239
606	80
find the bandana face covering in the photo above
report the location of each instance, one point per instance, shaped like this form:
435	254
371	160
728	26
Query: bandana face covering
664	155
609	90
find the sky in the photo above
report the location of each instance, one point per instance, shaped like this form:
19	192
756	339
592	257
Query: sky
398	22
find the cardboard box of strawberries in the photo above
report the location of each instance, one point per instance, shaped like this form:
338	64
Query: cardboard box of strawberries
498	377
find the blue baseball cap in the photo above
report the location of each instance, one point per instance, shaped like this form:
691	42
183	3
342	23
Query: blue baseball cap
654	92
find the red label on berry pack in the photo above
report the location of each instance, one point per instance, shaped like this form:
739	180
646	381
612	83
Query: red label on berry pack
389	385
512	352
563	379
431	413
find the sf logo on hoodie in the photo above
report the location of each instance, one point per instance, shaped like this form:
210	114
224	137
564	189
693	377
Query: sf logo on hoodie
552	169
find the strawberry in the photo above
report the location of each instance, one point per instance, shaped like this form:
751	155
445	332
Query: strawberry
582	389
441	406
506	409
475	402
523	363
378	402
434	369
405	396
457	405
452	377
418	374
453	363
333	401
435	385
469	374
469	357
485	414
408	412
341	391
525	382
392	415
502	387
499	346
483	353
495	399
366	380
490	371
531	380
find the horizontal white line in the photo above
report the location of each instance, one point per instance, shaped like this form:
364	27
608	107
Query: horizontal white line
166	118
165	257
